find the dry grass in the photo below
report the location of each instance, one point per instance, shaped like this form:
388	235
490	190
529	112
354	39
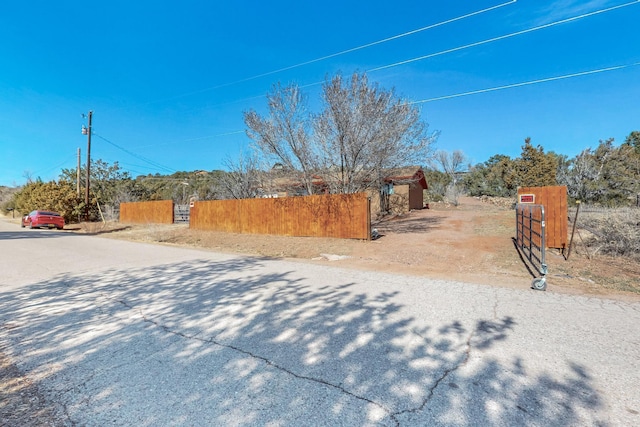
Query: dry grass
471	242
95	228
21	403
614	232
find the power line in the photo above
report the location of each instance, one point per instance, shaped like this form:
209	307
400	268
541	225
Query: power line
506	36
479	91
443	52
137	156
128	167
333	55
132	172
367	45
50	169
527	83
531	82
467	46
193	139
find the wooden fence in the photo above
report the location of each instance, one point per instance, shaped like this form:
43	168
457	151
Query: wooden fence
158	212
345	216
554	200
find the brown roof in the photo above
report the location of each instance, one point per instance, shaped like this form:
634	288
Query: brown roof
402	176
409	176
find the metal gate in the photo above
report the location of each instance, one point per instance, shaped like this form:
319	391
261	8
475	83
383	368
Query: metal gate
530	240
181	214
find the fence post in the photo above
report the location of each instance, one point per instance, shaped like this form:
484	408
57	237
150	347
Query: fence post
573	230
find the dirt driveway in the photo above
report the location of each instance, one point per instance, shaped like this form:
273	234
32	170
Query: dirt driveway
472	242
469	243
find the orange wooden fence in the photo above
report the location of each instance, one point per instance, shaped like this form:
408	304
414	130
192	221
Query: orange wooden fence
345	216
157	212
554	200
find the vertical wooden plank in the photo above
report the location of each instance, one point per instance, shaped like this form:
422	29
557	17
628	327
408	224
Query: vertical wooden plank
158	212
342	216
549	217
554	200
564	214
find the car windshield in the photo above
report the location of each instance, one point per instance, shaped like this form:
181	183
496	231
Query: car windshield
49	213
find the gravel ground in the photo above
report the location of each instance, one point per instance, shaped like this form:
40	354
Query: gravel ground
430	243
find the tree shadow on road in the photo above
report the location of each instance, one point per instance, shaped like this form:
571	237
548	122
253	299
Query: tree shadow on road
409	224
231	342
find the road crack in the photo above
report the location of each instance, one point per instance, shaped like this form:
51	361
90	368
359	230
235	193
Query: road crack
263	359
445	374
486	331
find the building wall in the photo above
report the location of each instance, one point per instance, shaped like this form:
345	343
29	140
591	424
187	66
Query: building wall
404	198
416	197
399	200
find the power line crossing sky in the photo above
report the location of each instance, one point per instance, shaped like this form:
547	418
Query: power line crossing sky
168	83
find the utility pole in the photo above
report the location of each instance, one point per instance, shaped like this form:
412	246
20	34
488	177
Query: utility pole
87	131
78	175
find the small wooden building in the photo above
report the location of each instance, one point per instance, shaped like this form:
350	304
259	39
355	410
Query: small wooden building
404	190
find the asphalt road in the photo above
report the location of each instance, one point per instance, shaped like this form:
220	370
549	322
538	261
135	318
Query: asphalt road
120	333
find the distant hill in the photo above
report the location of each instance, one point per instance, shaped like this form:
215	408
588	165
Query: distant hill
7	192
5	196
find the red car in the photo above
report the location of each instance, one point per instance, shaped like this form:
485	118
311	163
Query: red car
37	219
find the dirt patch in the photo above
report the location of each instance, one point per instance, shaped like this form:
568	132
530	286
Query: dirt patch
21	403
472	242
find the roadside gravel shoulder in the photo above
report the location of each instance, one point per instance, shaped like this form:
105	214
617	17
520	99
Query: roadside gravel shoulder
468	244
21	403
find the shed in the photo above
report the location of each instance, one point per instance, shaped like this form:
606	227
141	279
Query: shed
404	189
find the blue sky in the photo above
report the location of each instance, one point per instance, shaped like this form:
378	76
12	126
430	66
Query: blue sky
168	82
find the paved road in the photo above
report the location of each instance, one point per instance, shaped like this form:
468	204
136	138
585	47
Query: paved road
120	333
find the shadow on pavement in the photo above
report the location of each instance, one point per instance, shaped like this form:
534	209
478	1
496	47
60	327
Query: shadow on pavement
32	234
223	343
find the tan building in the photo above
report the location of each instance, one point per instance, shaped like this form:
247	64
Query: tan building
404	192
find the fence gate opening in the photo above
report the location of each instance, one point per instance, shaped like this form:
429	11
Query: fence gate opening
530	240
181	214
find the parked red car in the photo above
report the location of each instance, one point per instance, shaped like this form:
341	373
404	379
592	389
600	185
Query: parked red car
37	219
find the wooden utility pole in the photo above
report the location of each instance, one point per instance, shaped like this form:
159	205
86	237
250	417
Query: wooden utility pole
575	222
86	193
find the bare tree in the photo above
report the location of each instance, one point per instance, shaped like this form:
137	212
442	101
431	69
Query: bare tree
365	133
452	164
362	135
28	176
243	179
284	135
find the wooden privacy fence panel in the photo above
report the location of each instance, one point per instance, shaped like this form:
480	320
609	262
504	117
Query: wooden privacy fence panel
157	212
346	216
554	200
